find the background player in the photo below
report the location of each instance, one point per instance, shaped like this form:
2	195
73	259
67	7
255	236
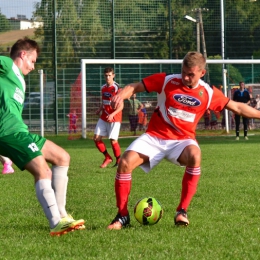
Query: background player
182	101
110	119
73	118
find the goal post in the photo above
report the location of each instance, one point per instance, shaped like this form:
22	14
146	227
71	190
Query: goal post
150	62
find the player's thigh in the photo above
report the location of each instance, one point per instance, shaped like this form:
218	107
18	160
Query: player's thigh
130	160
101	128
150	147
114	130
189	154
55	154
21	147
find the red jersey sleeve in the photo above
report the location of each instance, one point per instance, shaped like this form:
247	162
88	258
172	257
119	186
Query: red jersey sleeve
219	100
154	82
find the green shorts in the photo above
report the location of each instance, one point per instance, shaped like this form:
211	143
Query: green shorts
21	147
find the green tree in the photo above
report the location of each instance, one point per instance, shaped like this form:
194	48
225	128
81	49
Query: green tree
215	72
5	25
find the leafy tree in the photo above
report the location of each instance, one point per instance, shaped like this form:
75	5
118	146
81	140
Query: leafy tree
5	25
215	72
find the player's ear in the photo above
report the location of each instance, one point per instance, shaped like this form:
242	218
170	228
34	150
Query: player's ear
22	54
203	72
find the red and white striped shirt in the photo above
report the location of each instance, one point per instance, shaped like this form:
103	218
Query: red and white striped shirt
180	108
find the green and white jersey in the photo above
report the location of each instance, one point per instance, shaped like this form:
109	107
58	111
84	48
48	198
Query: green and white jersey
12	92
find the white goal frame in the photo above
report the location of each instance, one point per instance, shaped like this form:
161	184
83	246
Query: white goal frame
149	61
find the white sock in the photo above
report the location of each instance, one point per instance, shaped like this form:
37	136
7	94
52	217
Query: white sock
46	197
59	185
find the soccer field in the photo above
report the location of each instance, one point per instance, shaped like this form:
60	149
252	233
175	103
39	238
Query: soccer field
224	214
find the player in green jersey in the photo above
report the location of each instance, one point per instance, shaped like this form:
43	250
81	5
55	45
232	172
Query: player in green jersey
30	151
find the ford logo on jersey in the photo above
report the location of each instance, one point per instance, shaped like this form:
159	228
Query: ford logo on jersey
187	100
107	94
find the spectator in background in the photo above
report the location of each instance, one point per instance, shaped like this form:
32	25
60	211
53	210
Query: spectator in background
253	104
241	95
142	119
213	120
110	119
230	116
257	99
135	107
207	119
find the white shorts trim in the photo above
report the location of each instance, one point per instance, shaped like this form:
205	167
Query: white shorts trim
111	130
157	149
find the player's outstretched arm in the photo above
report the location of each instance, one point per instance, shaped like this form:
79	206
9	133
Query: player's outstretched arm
243	109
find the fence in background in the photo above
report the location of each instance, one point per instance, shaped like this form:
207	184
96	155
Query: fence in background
153	29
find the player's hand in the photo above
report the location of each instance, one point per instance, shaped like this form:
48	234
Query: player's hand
116	101
110	118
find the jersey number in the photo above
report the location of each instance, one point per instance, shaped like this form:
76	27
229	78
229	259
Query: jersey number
33	147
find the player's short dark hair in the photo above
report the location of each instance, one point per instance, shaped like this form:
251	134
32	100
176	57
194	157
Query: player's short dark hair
194	58
108	69
24	44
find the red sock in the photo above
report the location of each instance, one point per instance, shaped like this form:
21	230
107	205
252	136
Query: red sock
100	146
122	188
116	149
189	186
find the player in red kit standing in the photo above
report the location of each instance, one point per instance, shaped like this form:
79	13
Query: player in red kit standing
110	119
73	118
182	100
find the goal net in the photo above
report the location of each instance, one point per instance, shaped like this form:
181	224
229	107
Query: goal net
224	74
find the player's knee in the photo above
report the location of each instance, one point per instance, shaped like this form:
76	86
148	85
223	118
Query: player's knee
124	164
194	157
96	138
64	158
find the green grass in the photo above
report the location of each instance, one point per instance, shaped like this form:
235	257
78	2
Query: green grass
224	214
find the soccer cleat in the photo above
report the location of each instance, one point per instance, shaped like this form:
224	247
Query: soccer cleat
8	168
119	222
237	138
181	218
117	163
76	224
246	138
106	162
63	227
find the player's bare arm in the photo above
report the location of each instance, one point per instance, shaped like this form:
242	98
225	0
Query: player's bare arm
243	109
99	110
110	117
126	93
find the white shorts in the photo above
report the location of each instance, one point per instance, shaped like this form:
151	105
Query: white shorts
111	130
157	149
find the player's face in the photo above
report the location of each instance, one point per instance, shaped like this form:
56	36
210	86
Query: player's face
28	61
191	76
242	85
109	77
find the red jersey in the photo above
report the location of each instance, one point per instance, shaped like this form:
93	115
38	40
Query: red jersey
107	93
73	118
180	108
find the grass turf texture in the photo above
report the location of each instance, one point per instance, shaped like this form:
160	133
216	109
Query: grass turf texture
224	214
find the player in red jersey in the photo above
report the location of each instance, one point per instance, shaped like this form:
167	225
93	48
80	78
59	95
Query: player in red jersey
182	101
110	119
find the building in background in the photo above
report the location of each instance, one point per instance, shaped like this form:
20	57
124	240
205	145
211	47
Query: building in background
22	23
